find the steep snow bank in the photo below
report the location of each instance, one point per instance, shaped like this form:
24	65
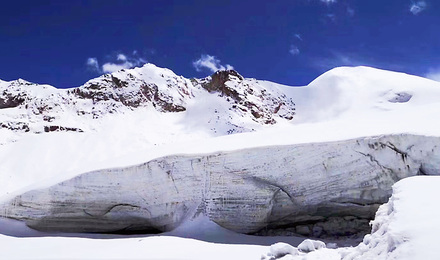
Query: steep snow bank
405	227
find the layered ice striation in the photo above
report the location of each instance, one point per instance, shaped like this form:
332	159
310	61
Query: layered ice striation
315	189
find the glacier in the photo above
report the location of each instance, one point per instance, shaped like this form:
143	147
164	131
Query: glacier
314	189
147	151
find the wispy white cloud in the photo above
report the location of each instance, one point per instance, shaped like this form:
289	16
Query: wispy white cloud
211	63
350	11
116	62
433	74
294	50
331	17
337	59
121	57
417	7
329	1
110	67
92	64
336	11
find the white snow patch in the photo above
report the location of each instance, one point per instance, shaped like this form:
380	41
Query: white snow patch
309	245
279	250
405	227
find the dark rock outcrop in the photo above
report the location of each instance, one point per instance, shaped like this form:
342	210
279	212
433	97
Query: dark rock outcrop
8	100
56	128
261	104
15	126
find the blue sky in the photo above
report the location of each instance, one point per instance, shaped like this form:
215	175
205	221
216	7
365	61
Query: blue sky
66	43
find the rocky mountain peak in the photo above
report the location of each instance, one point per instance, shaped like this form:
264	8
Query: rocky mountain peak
217	83
9	100
17	92
234	100
219	78
249	97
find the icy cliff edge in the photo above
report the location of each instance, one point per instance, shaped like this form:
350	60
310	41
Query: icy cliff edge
310	189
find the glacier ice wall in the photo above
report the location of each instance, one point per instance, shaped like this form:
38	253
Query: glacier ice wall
309	187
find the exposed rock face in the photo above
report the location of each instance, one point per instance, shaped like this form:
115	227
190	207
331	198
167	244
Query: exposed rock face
8	101
15	126
11	97
125	89
308	188
242	94
27	104
55	128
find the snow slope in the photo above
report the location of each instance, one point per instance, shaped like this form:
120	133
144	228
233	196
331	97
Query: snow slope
362	92
136	114
343	103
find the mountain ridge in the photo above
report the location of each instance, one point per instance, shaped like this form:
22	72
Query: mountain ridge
145	87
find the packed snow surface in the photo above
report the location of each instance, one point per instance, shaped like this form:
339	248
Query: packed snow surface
183	243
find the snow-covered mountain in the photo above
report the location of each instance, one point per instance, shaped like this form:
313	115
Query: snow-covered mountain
249	155
226	101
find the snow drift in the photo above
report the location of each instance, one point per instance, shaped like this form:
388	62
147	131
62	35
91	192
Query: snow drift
402	229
